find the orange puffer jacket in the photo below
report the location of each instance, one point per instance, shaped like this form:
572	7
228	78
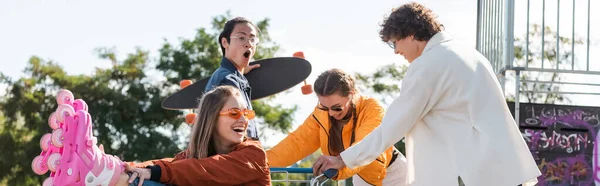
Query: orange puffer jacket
313	134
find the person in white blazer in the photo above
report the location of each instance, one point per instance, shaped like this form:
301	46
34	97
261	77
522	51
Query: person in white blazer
451	111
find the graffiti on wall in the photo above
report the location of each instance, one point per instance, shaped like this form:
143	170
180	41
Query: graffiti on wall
563	141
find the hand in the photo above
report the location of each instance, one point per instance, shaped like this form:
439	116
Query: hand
327	162
142	173
250	68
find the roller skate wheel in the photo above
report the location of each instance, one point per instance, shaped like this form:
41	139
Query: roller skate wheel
45	141
79	104
38	167
53	122
64	97
57	138
48	182
53	161
63	111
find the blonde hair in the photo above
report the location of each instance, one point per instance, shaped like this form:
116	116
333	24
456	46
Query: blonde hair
202	143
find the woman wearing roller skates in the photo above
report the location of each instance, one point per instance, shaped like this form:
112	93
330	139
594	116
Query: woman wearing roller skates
218	152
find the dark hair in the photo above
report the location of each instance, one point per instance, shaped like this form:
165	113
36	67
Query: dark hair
334	81
228	28
202	144
410	19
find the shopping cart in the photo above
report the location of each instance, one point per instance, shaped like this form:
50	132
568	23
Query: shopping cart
313	181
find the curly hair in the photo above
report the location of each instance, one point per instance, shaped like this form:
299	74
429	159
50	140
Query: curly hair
411	19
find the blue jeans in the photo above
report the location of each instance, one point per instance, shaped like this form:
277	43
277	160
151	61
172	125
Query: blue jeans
146	183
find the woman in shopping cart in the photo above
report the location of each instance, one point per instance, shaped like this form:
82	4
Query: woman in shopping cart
341	118
218	153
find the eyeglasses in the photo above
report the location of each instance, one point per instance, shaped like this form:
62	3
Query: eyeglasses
244	39
334	108
392	44
237	113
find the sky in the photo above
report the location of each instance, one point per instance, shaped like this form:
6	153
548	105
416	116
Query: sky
332	34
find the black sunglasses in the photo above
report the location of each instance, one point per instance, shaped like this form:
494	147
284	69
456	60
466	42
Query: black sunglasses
335	108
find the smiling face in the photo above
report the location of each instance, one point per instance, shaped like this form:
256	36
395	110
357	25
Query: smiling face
408	47
241	45
336	105
233	122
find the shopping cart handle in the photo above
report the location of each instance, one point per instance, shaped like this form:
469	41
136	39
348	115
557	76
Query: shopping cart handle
330	173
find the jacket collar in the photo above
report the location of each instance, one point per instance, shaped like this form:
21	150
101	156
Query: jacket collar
439	38
227	64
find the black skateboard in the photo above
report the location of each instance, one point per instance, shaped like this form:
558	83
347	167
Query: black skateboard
273	76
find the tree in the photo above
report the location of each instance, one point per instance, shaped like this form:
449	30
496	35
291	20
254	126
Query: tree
123	100
125	111
550	57
198	57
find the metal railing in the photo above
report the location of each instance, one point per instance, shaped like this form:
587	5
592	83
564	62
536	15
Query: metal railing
496	41
311	180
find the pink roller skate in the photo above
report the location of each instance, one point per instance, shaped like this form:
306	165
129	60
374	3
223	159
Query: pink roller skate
50	150
73	156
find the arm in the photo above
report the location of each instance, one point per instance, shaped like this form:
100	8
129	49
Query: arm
373	114
412	105
180	155
300	143
242	165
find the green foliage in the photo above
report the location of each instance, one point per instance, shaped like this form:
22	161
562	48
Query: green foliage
123	100
197	58
551	59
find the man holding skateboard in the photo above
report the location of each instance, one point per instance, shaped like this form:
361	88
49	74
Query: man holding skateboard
238	42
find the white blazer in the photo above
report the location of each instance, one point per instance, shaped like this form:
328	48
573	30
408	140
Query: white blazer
456	122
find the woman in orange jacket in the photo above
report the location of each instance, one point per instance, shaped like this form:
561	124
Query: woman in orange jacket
218	152
341	118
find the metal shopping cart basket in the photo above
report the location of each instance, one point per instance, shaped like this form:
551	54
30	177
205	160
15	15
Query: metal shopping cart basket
313	181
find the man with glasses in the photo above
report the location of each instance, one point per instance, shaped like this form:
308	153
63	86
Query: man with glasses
238	42
451	110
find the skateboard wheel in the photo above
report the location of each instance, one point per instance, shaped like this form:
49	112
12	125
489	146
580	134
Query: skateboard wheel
79	104
48	181
45	141
56	138
64	97
189	118
37	165
63	111
299	54
53	161
185	83
53	122
307	89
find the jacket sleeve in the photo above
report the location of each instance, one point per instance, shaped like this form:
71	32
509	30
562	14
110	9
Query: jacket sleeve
373	114
423	78
242	165
297	145
179	155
